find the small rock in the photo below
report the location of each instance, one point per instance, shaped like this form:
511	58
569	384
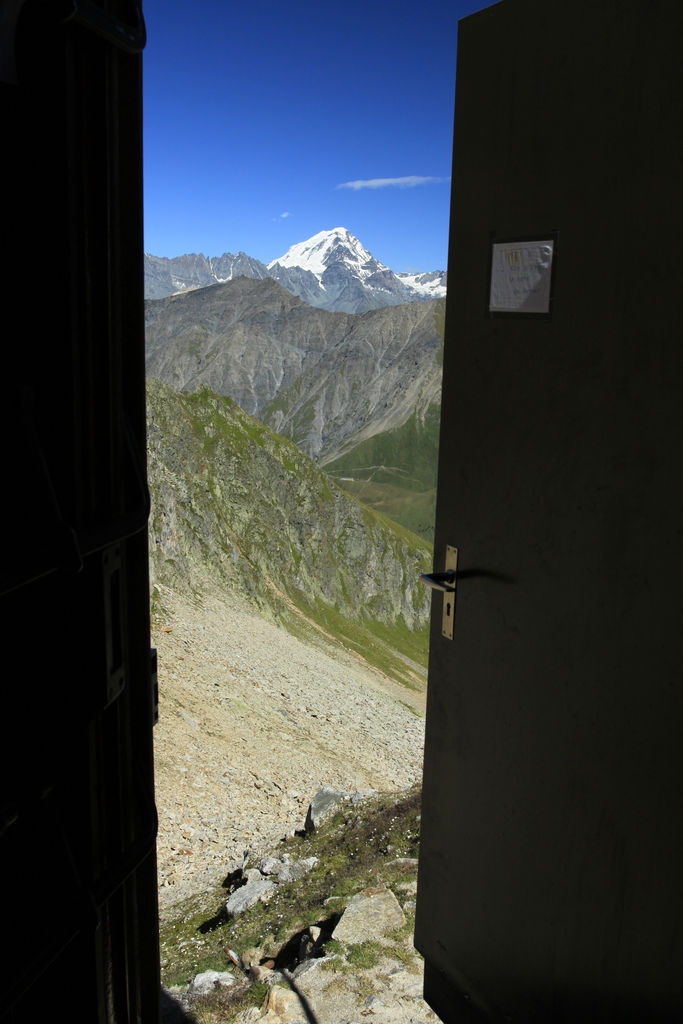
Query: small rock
259	972
208	981
249	895
249	1016
282	1001
296	870
270	865
357	798
191	722
312	965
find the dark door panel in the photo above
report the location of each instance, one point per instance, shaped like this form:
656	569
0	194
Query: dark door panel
552	837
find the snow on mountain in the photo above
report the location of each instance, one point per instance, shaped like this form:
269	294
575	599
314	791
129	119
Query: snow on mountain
328	247
347	275
427	286
339	246
332	270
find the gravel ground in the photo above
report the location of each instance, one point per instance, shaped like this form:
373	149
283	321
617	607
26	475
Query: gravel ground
252	722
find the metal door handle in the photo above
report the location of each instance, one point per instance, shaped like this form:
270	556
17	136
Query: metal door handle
440	580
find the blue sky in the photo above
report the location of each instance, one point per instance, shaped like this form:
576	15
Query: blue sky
267	122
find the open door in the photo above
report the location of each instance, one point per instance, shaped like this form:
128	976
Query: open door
552	836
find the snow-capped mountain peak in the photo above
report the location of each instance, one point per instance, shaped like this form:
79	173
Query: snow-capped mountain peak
334	271
318	253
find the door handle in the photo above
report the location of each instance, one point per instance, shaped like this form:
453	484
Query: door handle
445	582
440	580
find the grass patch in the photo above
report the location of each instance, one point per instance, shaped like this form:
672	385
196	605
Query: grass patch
224	1004
395	473
416	510
364	955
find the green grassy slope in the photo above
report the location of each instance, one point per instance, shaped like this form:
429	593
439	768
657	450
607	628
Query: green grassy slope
236	506
395	472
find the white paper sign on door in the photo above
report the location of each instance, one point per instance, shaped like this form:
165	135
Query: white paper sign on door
520	276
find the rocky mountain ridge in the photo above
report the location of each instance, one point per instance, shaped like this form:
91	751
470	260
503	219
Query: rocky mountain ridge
167	276
236	507
325	380
332	270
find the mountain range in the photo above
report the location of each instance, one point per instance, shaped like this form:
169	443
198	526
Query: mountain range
332	271
358	393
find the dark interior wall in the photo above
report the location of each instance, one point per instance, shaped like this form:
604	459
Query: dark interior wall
552	838
77	814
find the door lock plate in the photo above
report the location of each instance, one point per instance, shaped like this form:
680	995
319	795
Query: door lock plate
448	615
445	582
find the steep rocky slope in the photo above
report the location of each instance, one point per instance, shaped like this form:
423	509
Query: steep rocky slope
326	380
247	339
386	369
236	506
252	722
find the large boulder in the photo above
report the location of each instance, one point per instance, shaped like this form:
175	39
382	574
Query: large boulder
323	805
326	802
369	914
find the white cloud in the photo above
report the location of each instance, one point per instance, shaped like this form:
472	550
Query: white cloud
409	182
285	214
